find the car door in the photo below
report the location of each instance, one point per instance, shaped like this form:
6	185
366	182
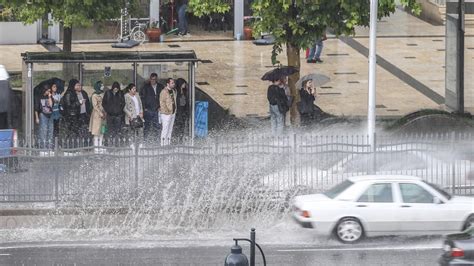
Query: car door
376	207
418	213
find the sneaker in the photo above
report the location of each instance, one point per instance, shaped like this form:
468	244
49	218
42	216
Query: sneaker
311	61
187	35
318	60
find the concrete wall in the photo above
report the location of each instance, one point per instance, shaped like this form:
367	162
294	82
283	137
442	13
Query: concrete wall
431	12
18	33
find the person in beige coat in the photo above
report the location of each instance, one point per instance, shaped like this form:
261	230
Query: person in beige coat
98	114
167	111
133	108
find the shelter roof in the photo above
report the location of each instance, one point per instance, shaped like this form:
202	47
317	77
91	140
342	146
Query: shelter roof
110	56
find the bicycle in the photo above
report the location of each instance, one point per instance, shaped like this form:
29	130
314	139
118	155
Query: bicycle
137	33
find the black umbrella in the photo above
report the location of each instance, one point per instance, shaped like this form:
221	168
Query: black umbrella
38	90
280	72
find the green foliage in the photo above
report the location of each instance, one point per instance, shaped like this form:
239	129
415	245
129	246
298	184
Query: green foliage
69	12
206	7
7	15
300	22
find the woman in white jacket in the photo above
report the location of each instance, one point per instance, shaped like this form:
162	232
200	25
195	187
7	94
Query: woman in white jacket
133	110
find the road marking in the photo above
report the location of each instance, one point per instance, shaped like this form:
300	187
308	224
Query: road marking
358	249
5	254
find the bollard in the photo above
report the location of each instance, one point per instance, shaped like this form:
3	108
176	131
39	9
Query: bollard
252	247
236	258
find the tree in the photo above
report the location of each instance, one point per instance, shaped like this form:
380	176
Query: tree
69	13
298	23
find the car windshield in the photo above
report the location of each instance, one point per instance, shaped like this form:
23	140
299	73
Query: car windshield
338	189
440	190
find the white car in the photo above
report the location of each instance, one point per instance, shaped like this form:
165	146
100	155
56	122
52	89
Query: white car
383	205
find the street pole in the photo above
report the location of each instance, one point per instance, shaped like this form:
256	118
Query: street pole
460	60
372	73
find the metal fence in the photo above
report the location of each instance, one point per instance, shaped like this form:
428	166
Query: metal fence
225	168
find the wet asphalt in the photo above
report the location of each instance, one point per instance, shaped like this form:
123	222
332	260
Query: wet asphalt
126	254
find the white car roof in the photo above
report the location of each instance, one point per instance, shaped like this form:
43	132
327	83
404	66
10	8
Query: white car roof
383	178
3	73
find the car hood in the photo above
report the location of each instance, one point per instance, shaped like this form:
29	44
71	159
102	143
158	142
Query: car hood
461	199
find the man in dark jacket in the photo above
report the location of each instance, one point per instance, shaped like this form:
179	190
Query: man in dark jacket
113	103
76	109
150	95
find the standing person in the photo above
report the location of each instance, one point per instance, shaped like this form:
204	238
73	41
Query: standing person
150	96
168	111
278	103
133	110
305	106
56	115
182	102
98	115
76	105
43	112
316	50
182	20
113	104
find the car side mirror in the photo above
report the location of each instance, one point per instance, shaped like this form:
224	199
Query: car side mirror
437	200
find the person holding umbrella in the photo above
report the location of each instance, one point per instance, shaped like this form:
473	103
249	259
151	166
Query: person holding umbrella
306	106
308	111
277	98
278	102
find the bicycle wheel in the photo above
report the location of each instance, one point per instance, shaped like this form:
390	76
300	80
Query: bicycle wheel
138	36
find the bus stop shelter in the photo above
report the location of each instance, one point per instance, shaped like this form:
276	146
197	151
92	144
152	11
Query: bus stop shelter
108	66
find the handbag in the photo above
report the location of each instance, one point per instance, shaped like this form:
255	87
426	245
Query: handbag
137	122
103	128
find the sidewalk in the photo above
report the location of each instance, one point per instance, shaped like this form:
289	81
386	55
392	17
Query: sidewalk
232	74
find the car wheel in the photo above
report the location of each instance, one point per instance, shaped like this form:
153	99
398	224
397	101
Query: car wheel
349	230
469	222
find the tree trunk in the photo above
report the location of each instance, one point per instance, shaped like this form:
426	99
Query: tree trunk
293	55
67	39
68	68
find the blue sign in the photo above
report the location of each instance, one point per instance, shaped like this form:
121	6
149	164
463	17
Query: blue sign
200	118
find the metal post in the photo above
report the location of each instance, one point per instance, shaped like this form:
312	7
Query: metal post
80	74
295	179
238	19
252	247
460	59
453	164
135	65
137	146
372	72
192	87
29	125
56	176
373	166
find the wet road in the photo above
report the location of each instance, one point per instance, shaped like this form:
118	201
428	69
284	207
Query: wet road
373	252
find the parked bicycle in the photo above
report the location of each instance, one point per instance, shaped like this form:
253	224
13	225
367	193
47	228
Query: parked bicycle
137	33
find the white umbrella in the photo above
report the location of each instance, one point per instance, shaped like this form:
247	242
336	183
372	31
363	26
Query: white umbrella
318	80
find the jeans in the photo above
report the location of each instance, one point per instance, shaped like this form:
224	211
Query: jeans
114	126
46	129
316	50
183	22
277	120
151	124
168	123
